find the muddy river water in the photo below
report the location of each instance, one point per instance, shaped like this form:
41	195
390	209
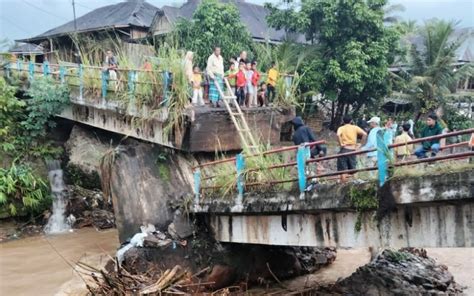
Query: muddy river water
42	265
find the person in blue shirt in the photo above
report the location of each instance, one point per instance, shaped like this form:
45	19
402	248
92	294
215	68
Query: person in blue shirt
374	123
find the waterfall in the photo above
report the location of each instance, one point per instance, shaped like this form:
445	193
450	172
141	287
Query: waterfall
57	222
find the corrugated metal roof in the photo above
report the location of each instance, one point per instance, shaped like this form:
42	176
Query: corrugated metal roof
124	14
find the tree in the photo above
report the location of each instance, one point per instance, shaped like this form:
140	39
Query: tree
213	24
356	48
432	72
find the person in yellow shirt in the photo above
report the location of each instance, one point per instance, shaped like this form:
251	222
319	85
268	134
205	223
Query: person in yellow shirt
272	78
197	88
347	136
404	151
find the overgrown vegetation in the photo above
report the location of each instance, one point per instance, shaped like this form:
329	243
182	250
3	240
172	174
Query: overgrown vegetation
356	48
23	127
22	191
24	123
256	175
364	198
213	24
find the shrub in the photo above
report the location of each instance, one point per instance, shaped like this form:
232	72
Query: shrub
47	99
22	191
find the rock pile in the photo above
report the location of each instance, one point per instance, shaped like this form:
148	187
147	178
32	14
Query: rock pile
404	272
88	208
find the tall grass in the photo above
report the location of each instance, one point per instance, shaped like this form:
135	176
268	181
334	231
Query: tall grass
256	171
288	58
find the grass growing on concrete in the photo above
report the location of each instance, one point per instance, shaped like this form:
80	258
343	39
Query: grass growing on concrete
256	171
436	168
364	197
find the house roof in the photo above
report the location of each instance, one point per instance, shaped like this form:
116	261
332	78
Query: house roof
252	15
26	48
136	13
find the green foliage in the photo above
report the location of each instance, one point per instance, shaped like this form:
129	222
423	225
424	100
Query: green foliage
397	256
11	114
47	99
256	172
171	60
213	24
364	198
432	75
355	44
21	191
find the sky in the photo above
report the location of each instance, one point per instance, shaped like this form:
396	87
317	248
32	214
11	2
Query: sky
27	18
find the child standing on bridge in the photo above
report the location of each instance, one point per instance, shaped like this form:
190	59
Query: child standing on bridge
240	83
404	151
197	88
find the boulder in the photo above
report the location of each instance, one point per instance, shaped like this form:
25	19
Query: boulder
144	181
85	151
404	272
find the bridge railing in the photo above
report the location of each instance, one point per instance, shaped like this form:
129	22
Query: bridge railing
96	81
385	162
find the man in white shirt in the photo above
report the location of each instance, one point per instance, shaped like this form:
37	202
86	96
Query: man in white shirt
215	70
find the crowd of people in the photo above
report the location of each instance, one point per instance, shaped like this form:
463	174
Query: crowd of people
351	136
245	81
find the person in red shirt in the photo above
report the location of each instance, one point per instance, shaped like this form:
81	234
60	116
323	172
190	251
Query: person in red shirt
255	79
240	82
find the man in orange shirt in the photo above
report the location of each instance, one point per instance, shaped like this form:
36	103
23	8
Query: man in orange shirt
347	136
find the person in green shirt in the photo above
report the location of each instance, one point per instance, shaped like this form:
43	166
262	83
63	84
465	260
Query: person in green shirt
231	76
432	128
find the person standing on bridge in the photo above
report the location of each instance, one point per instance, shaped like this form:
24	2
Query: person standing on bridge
432	128
404	151
347	136
374	124
215	70
303	134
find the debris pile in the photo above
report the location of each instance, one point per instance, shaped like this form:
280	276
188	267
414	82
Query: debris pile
88	208
119	281
405	272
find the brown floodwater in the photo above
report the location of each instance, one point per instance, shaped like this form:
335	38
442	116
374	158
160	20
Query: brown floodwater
37	265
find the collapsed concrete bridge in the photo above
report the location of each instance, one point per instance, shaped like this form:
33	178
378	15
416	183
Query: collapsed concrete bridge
117	106
424	211
421	211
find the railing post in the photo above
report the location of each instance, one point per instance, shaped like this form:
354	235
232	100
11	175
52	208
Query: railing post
383	154
105	78
19	66
8	68
240	167
131	81
62	74
166	81
301	165
46	68
31	70
81	81
197	185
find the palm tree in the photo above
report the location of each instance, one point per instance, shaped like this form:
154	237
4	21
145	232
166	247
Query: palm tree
432	65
